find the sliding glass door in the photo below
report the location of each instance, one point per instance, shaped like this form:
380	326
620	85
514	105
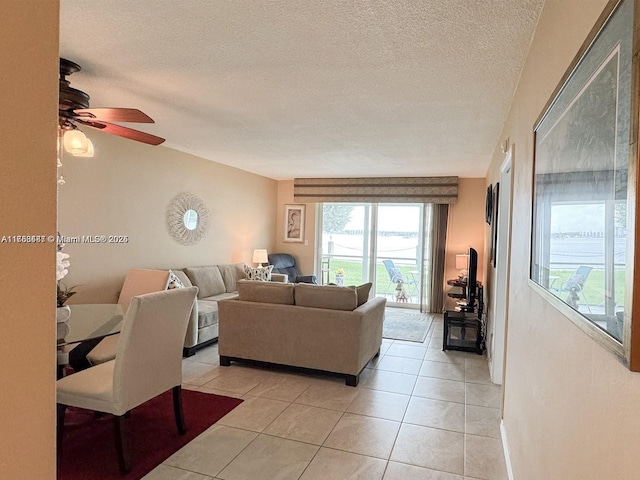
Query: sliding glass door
378	243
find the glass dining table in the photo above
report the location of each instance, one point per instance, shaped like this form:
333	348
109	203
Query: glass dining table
86	326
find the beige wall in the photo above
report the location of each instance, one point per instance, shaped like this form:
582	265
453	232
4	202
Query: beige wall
466	229
29	97
571	410
305	251
125	190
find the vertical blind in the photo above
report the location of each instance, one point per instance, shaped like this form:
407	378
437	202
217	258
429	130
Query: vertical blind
438	190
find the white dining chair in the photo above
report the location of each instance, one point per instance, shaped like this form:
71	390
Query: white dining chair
148	362
137	282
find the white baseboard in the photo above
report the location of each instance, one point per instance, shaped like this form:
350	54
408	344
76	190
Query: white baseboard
505	447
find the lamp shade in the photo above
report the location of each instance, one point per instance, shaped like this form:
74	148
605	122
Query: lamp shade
75	142
260	256
89	152
462	261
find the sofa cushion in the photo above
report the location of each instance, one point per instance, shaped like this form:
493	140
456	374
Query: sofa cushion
362	291
326	296
262	274
221	296
207	313
266	292
231	273
207	279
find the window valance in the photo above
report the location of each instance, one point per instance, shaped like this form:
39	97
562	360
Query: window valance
442	190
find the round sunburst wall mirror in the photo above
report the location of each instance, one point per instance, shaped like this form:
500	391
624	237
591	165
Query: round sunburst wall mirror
188	218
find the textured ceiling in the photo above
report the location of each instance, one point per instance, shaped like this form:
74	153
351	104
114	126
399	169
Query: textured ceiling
304	88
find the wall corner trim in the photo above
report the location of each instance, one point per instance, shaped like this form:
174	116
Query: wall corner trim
505	447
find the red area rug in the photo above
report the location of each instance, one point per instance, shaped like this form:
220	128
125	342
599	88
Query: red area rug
89	448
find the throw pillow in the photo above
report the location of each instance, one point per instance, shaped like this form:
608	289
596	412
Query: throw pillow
363	292
174	281
262	274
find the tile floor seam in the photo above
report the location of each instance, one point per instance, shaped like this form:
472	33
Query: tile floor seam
427	468
237	454
332	430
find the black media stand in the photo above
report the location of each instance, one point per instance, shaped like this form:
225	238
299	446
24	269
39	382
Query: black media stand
463	327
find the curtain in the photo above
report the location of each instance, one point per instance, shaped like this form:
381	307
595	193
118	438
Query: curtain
437	243
440	190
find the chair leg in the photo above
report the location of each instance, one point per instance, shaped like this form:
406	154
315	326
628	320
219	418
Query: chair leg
177	410
122	447
60	412
585	300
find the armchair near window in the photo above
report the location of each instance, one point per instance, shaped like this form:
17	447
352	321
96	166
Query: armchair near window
285	263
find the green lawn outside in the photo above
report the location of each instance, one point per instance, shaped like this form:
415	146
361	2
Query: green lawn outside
594	286
593	289
353	275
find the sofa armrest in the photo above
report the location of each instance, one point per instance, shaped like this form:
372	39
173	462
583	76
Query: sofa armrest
280	277
191	337
307	279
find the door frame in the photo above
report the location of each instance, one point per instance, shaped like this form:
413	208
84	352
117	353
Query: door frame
498	340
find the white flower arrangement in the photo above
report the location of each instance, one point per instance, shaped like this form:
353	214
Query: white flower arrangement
62	265
64	293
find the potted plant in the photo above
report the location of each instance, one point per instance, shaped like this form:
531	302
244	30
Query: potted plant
340	276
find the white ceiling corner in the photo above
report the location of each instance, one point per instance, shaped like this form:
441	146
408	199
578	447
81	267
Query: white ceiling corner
303	88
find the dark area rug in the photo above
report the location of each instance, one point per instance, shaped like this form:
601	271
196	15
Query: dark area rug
403	324
89	447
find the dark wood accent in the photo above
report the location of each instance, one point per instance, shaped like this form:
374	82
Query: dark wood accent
60	413
122	446
350	380
121	131
113	115
188	351
177	410
191	351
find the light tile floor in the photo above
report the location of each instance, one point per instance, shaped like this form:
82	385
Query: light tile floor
418	414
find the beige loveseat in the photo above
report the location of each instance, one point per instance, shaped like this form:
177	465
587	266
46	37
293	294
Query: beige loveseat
215	283
324	328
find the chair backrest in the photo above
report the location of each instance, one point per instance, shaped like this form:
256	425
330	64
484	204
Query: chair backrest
394	272
284	263
578	278
149	357
140	281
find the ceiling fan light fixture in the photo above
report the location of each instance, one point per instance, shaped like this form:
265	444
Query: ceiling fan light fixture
89	152
76	142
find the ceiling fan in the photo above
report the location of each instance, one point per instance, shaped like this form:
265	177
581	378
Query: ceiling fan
74	109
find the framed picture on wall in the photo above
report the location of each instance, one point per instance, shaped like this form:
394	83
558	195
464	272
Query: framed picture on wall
488	205
585	187
294	223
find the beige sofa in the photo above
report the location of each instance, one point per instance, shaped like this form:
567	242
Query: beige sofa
215	283
308	326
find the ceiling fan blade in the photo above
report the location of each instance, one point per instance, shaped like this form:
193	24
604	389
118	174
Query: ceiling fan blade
125	132
113	115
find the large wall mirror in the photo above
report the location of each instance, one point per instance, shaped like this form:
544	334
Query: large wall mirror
582	248
187	218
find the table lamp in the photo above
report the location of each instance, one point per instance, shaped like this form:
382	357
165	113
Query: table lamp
260	256
462	264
